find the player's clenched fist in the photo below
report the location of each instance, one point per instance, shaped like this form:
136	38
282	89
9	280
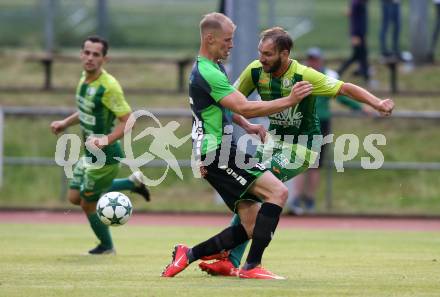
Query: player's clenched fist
57	127
385	107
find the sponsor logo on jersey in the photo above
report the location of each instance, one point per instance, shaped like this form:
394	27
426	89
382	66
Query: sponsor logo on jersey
85	104
87	118
287	117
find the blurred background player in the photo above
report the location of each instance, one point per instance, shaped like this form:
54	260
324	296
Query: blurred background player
100	101
305	185
273	75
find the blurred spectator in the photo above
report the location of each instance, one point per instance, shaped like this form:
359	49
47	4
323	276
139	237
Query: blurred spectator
305	185
358	31
222	6
390	17
436	31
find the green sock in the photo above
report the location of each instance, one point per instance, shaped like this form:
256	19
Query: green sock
237	253
119	184
101	231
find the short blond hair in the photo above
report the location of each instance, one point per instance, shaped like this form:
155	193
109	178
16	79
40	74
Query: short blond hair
214	21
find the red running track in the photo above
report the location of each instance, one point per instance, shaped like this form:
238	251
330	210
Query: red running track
213	220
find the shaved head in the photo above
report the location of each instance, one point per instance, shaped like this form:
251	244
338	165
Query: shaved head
216	36
214	22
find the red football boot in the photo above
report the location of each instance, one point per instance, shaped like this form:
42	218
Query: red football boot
223	267
258	273
179	262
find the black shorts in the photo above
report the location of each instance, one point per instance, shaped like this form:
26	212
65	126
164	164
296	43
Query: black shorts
230	181
325	130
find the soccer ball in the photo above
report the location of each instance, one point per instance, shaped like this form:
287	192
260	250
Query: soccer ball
114	209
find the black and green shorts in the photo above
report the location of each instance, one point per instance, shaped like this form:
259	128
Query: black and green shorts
231	181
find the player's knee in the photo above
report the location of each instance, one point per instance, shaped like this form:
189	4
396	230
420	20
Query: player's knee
280	194
74	198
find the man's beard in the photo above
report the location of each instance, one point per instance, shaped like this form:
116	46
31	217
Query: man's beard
275	66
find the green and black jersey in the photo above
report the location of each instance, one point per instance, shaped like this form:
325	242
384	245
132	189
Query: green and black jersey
99	103
207	86
296	120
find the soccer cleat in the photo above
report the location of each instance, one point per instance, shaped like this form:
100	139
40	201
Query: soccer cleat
179	262
140	187
101	250
223	267
258	273
219	256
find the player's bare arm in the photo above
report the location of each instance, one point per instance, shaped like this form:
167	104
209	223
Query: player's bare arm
250	128
385	106
117	133
59	126
238	103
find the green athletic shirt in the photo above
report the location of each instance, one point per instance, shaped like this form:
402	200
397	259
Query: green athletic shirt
323	103
208	84
99	103
300	119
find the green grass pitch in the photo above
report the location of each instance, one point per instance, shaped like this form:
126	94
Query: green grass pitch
49	260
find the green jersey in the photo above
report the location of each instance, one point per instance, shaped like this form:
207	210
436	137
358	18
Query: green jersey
99	103
323	104
300	119
208	84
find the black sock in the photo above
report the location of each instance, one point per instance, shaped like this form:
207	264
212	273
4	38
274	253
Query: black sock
225	240
265	225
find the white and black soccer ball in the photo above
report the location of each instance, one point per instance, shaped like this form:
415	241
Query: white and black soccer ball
114	209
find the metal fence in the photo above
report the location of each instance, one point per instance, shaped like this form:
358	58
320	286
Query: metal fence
27	112
55	24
